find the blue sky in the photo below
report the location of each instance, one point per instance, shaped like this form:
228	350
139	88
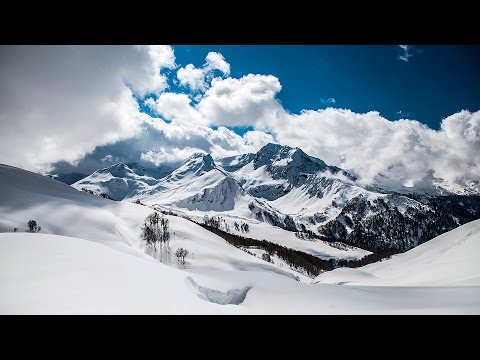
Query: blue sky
434	83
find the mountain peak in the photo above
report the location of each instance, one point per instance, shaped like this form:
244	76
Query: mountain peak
207	159
202	158
197	155
119	165
119	169
275	155
197	163
273	146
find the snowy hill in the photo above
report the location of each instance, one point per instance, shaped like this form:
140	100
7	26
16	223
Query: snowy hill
89	259
49	274
449	259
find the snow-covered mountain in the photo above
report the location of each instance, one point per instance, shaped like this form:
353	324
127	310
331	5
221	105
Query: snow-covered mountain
233	163
286	188
121	180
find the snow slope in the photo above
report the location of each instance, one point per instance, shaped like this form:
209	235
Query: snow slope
452	259
49	274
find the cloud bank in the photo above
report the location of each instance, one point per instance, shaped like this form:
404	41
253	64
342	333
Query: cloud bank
60	102
78	109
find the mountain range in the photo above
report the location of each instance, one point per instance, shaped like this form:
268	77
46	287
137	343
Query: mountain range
285	187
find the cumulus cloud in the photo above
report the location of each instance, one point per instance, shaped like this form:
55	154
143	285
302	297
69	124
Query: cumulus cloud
150	81
177	108
405	151
249	100
216	61
192	77
198	79
164	155
218	142
60	102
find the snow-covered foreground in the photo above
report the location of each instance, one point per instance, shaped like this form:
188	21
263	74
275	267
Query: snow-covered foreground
88	258
48	274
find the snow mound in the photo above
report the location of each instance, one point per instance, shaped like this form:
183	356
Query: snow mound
343	276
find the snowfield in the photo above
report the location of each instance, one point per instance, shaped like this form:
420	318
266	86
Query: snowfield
89	259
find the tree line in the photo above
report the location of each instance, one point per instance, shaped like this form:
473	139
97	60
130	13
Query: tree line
296	259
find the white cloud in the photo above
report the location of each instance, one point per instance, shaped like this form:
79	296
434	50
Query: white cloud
249	100
164	155
161	56
328	101
60	102
256	139
407	151
192	77
405	53
198	79
141	68
196	137
177	108
216	61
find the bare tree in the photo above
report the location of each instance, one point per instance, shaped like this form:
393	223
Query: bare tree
181	254
156	233
32	226
155	229
267	258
